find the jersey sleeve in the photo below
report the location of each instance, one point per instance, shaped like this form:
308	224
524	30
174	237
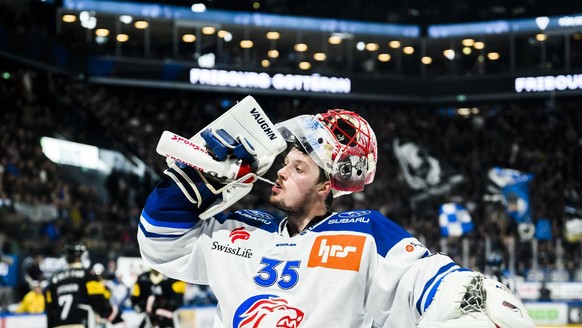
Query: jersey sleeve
402	279
170	231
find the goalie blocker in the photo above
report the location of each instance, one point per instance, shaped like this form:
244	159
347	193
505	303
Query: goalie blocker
227	156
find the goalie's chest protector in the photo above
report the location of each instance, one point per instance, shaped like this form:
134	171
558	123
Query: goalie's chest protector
260	274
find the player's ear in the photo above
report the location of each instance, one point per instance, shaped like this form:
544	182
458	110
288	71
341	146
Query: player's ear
325	187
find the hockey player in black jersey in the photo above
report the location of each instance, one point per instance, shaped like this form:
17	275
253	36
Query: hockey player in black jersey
158	297
75	297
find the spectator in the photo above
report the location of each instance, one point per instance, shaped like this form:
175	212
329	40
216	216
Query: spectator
33	301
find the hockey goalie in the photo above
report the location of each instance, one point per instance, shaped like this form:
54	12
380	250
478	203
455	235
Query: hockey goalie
302	264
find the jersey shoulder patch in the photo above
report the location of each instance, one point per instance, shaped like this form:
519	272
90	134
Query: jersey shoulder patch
256	218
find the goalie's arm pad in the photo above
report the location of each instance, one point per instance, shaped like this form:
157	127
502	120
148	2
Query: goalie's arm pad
193	186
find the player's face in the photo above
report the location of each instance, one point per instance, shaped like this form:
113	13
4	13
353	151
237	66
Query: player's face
297	184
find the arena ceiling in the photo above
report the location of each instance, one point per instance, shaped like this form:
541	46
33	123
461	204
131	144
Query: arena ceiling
418	12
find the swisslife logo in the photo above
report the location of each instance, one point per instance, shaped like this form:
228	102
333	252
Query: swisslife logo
236	234
342	252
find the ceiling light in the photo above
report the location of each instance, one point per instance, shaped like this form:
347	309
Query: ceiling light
360	46
246	44
265	63
493	56
334	39
102	32
468	42
372	46
449	54
122	37
319	56
188	38
408	50
125	19
300	47
426	60
198	7
141	25
273	35
384	57
467	50
394	44
479	45
541	37
273	53
208	30
69	18
304	65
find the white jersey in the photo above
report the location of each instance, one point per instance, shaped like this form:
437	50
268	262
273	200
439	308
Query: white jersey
345	271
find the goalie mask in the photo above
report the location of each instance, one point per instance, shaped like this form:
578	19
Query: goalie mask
341	142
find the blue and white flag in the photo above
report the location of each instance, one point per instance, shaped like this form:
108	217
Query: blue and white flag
514	189
454	220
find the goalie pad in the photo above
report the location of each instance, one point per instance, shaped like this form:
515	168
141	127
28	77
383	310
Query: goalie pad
246	123
504	308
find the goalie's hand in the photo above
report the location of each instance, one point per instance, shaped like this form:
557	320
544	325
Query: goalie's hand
221	144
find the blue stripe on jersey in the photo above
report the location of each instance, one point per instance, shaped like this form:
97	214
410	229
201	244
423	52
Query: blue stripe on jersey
434	289
166	224
442	270
385	232
157	235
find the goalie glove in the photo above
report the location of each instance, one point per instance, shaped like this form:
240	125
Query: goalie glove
227	166
504	308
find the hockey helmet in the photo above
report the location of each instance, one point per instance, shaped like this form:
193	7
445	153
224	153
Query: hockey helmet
76	252
341	142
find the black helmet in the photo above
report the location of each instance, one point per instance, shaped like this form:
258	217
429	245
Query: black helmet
495	260
73	252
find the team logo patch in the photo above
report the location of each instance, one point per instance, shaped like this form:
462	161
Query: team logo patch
267	311
239	233
342	252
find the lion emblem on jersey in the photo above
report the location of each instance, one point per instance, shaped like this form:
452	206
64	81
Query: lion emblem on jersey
267	311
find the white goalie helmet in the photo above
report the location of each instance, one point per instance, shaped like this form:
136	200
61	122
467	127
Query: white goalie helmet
341	142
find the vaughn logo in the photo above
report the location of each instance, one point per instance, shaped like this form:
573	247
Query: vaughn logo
239	233
342	252
263	124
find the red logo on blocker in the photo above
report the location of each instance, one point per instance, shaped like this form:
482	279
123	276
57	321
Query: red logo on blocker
343	252
239	233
